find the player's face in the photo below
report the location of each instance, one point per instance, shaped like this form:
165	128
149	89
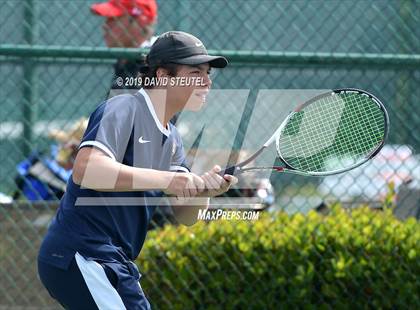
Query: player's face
123	31
192	86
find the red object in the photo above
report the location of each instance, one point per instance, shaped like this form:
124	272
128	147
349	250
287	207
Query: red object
145	11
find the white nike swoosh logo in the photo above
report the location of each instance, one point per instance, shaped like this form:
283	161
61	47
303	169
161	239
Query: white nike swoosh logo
143	141
198	44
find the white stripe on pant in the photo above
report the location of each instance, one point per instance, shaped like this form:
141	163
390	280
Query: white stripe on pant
105	295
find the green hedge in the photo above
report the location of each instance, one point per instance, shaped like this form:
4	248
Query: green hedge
361	258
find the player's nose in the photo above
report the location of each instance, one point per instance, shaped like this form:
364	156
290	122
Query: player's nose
207	80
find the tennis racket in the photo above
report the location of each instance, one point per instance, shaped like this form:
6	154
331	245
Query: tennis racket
329	134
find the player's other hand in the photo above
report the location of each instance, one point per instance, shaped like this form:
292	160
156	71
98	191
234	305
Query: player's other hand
215	184
185	185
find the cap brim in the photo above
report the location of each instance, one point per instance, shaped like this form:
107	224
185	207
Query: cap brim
106	9
213	61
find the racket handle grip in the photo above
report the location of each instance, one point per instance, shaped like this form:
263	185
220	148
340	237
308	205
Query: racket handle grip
232	170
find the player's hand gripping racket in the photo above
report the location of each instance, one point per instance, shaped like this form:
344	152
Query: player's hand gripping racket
331	133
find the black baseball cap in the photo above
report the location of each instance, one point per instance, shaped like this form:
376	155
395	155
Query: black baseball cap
179	47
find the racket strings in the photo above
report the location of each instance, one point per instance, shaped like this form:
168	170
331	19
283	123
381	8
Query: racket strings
352	141
316	132
342	129
368	126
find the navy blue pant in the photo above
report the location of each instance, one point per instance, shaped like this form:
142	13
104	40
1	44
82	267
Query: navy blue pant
87	285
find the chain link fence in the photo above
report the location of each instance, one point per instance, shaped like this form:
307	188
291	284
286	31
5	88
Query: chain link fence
55	69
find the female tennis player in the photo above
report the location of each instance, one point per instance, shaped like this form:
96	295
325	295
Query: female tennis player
129	156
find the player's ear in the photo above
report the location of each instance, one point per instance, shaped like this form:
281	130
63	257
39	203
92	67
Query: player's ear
161	72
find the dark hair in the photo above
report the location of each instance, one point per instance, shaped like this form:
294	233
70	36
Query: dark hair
149	73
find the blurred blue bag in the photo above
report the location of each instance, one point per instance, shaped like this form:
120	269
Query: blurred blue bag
40	177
